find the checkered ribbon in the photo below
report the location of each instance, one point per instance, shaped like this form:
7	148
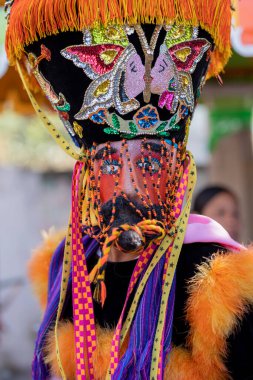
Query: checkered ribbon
85	336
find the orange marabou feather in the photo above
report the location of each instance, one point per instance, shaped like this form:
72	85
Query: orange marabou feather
38	266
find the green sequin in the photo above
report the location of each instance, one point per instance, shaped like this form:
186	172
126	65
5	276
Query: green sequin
115	121
177	34
133	128
161	127
64	108
110	131
112	34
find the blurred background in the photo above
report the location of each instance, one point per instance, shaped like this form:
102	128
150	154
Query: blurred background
35	177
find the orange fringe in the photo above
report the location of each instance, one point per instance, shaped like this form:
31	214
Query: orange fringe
38	266
220	293
34	19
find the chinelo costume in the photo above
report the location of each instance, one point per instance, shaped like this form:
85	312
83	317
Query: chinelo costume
124	77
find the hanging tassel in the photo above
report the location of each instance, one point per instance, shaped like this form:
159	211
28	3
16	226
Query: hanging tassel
99	294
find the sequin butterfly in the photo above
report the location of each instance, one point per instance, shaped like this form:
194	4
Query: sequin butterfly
118	75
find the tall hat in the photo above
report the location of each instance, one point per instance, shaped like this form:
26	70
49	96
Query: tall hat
117	71
87	75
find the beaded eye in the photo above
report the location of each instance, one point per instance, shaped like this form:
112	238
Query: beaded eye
110	167
154	164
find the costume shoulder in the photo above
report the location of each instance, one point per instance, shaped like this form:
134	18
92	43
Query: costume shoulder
39	264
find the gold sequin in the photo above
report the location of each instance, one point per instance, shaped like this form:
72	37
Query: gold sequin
78	129
183	54
108	56
113	33
185	81
102	88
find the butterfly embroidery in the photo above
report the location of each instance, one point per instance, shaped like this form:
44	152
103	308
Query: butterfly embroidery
119	76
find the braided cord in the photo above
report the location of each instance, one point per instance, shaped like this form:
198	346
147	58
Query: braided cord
146	228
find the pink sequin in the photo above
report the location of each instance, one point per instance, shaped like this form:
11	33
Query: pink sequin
166	100
198	48
135	71
162	73
81	54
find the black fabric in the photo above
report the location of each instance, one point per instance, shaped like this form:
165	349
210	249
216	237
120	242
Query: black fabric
190	257
117	279
240	350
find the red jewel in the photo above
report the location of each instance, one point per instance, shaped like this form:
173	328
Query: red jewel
65	115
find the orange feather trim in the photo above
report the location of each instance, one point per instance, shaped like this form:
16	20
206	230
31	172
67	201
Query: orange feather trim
219	295
33	19
67	351
38	266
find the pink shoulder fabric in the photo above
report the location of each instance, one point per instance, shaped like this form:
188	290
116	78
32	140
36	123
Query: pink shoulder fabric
202	229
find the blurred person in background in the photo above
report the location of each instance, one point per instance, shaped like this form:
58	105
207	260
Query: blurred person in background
222	205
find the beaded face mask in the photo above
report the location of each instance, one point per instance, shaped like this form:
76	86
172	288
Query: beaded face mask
131	181
115	82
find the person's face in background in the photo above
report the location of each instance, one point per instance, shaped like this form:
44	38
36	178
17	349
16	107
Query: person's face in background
224	208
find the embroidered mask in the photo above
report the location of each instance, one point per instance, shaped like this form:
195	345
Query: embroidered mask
114	82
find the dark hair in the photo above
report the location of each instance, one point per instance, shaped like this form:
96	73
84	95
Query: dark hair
208	193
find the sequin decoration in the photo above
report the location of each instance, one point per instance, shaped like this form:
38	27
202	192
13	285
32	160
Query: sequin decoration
186	90
58	102
99	117
106	90
119	74
166	100
146	117
95	57
183	54
145	121
78	129
112	34
187	54
179	33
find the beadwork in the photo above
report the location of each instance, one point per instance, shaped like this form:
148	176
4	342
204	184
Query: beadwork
58	102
